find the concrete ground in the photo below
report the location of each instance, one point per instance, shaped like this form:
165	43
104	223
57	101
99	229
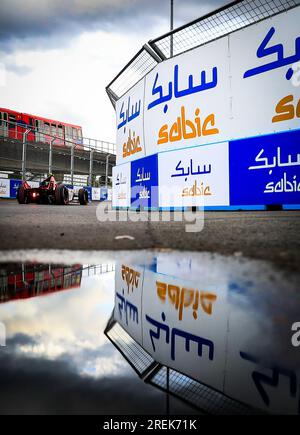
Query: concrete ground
265	235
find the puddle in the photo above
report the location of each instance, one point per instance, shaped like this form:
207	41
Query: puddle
86	331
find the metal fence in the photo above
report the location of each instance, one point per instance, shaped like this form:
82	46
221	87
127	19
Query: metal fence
221	22
33	152
41	278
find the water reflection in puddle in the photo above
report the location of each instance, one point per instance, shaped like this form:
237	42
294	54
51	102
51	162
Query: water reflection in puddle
222	325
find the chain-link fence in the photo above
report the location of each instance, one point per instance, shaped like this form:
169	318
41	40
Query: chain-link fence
221	22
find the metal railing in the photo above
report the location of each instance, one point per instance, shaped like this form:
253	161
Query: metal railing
13	278
99	145
31	138
221	22
15	130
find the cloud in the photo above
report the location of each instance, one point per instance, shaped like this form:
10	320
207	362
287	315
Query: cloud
19	70
42	386
20	339
54	23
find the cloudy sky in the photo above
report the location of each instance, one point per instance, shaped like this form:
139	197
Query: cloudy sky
56	57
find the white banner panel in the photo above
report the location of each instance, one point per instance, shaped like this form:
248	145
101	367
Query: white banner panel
34	183
4	188
187	99
128	298
121	185
194	176
130	130
265	72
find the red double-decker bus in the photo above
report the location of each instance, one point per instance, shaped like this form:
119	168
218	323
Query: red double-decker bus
13	124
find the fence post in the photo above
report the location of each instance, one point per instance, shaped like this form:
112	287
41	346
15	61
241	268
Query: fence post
106	169
50	156
24	153
91	167
72	164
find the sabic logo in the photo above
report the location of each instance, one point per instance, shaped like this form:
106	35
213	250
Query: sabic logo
296	336
2	335
131	277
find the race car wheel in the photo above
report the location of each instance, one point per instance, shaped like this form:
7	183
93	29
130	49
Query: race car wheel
61	195
83	197
22	195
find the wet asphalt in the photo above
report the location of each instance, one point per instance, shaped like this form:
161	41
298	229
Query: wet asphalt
266	235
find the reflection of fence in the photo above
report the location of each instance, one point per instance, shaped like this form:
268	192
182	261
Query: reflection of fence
15	130
30	150
194	393
221	22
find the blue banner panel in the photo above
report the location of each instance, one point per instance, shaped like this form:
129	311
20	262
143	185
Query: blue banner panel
14	184
265	169
89	190
144	182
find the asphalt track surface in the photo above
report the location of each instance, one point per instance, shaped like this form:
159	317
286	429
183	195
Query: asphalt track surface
267	235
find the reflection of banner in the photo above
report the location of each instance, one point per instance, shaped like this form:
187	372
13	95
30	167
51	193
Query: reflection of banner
121	185
238	86
265	169
195	176
215	327
144	182
184	327
130	131
257	369
4	188
128	298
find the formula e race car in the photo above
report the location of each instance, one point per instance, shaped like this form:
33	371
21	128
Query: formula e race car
50	192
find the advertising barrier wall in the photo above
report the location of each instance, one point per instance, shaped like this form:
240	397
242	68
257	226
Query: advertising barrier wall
121	179
9	188
194	176
144	182
212	325
130	127
4	188
224	107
